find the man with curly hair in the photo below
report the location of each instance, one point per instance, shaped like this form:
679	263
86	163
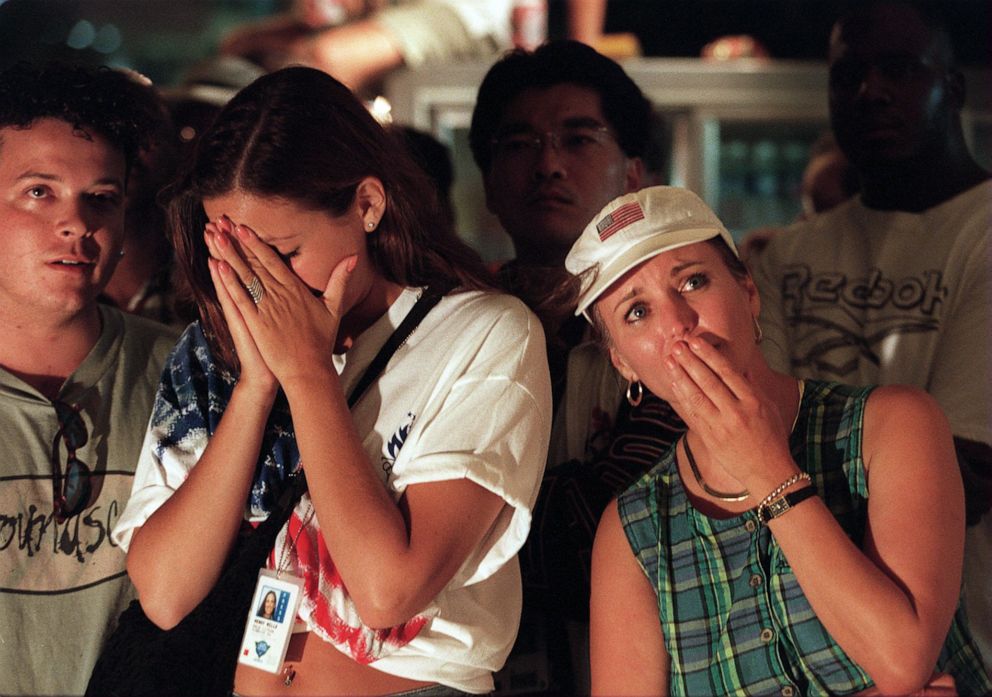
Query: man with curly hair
77	378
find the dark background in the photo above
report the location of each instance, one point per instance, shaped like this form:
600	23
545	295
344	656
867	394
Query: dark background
161	38
794	29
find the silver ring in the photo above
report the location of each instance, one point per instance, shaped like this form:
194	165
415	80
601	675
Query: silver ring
255	289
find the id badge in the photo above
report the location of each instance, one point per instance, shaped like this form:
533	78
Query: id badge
270	620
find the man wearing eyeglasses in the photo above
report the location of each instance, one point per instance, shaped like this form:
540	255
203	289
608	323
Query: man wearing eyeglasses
893	286
558	133
77	379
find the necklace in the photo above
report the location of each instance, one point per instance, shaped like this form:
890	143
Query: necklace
722	496
288	548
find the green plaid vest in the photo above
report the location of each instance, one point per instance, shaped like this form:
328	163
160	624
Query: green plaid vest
734	618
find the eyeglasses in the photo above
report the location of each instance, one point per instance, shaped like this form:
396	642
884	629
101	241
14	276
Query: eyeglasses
71	491
573	141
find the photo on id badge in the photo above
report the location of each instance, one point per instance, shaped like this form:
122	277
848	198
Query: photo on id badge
273	605
270	621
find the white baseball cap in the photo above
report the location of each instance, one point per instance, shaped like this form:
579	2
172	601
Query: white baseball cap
632	229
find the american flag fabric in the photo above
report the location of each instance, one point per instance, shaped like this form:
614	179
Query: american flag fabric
623	216
326	605
188	409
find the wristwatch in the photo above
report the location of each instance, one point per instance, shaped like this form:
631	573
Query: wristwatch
779	506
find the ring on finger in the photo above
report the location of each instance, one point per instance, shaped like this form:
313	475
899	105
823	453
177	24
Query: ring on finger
255	289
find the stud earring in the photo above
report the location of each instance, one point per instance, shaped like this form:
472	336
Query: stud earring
370	225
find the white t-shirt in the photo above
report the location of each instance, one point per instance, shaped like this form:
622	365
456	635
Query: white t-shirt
863	297
467	396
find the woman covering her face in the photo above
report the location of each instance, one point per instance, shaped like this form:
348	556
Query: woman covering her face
803	537
306	238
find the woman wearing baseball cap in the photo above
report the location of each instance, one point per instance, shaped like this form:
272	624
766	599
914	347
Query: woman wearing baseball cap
752	559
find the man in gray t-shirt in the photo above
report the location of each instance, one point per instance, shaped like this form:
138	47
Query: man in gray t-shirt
892	286
76	379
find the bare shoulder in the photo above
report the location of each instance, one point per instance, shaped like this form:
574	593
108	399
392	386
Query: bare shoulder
610	527
905	426
614	563
904	405
610	547
626	645
611	516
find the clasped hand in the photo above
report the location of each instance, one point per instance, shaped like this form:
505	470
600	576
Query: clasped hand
289	331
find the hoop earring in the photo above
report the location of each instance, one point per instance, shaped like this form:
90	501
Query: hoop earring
758	334
633	400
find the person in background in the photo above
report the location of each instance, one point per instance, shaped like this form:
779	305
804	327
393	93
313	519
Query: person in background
557	133
360	43
893	286
77	378
142	283
766	552
307	236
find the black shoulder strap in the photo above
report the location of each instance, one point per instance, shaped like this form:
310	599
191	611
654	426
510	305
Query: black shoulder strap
427	300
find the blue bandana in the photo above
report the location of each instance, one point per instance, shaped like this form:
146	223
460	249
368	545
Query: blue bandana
192	396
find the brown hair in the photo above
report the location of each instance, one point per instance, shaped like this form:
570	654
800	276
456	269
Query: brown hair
105	101
300	135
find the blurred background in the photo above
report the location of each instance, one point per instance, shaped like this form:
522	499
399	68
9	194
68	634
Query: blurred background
736	125
162	38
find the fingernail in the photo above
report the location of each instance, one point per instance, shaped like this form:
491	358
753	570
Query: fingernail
670	364
242	232
352	263
694	345
677	348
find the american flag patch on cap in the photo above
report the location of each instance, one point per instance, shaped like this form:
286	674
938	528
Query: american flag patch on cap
619	219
